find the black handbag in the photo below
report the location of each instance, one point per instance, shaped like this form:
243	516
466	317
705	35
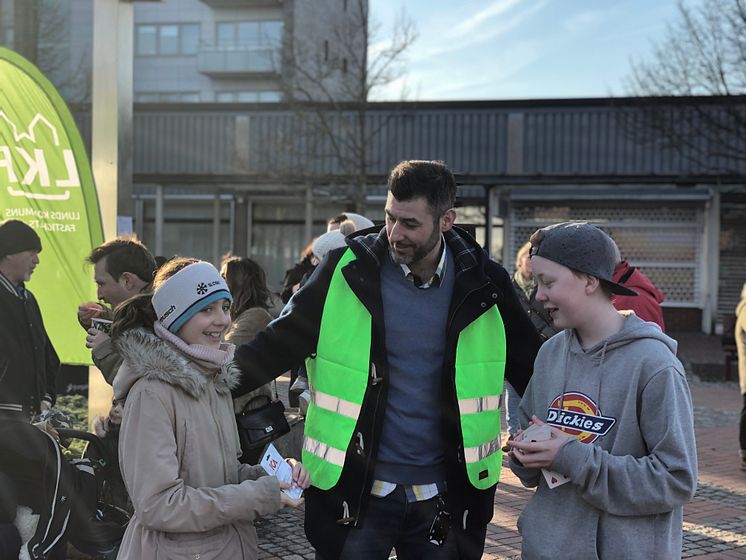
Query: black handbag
259	426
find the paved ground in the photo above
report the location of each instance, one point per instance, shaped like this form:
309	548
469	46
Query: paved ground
714	521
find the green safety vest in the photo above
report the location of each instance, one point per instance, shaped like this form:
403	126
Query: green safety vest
338	376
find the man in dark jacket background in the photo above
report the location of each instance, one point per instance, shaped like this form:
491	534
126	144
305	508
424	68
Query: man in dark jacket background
31	468
386	321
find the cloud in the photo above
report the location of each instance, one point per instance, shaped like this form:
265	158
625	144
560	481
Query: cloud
495	9
474	79
478	32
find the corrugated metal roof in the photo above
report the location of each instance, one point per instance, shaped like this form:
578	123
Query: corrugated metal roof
602	138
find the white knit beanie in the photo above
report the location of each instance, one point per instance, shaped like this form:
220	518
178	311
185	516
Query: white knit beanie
361	222
326	242
180	297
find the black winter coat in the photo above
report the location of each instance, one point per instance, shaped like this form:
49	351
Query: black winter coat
287	341
28	361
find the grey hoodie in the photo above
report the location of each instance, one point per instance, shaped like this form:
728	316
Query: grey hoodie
634	464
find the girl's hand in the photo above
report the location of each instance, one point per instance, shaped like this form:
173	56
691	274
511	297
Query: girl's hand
301	477
539	454
287	501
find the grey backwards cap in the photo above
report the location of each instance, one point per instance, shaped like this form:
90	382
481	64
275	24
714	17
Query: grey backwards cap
582	247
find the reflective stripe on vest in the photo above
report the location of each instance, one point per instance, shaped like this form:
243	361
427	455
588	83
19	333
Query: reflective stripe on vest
480	367
338	377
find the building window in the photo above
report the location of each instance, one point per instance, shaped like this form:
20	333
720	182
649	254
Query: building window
167	97
249	34
167	40
249	96
147	43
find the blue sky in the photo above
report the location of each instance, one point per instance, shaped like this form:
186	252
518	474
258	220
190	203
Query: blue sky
517	49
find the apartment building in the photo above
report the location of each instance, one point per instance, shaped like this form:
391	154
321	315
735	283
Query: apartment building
199	51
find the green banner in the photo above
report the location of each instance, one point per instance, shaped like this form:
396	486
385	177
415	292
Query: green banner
46	181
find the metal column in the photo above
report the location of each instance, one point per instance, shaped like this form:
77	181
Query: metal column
159	218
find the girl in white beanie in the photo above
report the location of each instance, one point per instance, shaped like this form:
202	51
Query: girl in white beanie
179	446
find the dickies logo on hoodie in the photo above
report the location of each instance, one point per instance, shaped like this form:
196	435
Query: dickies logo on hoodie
576	414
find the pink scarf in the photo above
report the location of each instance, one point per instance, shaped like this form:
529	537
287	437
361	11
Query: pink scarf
204	355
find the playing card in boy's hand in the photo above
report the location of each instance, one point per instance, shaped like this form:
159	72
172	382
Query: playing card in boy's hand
554	479
534	433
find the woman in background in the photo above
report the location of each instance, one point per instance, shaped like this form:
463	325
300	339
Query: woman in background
247	283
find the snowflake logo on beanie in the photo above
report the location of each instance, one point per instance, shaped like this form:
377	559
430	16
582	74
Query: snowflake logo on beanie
201	288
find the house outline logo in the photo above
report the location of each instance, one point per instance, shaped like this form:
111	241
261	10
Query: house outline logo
36	168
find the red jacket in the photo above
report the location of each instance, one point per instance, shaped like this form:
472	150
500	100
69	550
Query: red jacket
647	304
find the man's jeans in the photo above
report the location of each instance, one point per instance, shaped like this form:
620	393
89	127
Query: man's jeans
394	522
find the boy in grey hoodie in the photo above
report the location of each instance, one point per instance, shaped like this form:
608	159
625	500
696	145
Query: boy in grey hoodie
621	461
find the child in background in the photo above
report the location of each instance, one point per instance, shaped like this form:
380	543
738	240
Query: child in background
179	444
621	459
107	429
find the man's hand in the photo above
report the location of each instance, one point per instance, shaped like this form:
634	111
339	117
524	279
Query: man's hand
95	337
539	454
87	311
301	476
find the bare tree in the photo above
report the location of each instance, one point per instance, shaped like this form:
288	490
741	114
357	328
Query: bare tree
331	87
702	54
41	33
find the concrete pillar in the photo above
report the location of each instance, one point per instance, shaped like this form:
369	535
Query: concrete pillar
710	265
111	151
159	219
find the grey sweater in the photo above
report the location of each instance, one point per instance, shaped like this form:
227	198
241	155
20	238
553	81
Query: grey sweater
634	464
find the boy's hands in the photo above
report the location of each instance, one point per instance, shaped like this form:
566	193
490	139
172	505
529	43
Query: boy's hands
539	454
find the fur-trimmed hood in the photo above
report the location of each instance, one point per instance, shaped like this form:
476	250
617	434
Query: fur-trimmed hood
147	356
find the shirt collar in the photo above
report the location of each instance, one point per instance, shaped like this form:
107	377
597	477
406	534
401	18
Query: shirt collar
436	278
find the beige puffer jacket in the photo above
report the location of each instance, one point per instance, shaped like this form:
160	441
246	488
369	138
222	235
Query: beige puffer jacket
178	451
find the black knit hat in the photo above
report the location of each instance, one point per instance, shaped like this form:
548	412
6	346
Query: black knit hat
582	247
16	237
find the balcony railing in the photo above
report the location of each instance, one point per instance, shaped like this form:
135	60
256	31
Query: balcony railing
241	3
239	61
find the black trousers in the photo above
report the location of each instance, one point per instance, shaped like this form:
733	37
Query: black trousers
32	465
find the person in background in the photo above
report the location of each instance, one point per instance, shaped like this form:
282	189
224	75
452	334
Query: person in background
647	303
106	428
122	268
252	299
360	222
62	495
620	461
525	288
178	441
324	243
740	336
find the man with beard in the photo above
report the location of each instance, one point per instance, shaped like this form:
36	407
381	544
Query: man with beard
407	332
